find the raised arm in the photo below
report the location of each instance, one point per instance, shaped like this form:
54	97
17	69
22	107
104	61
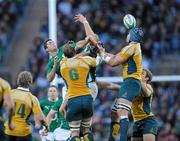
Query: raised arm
83	20
10	107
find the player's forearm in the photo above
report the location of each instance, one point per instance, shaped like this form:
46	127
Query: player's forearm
10	114
81	44
51	75
146	90
108	85
10	107
88	29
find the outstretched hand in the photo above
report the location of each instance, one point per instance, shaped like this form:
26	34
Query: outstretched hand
80	18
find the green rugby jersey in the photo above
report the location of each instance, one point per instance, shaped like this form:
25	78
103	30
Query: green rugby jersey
58	119
61	56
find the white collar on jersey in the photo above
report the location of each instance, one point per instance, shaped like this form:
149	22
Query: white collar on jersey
22	88
53	101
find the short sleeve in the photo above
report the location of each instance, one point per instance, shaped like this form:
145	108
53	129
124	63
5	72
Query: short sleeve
57	105
127	52
90	61
36	106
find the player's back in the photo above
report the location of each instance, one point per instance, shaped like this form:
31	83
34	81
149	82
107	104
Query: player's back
75	72
4	89
133	67
141	108
23	100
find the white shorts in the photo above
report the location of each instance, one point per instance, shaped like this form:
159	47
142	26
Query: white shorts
49	137
94	89
59	134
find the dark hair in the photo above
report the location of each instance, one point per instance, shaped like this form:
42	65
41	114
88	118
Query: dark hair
69	51
45	43
148	74
53	86
24	79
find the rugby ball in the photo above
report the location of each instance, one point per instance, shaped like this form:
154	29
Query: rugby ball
129	21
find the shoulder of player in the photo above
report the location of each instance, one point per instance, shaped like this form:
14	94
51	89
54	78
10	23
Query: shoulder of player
44	101
86	58
4	83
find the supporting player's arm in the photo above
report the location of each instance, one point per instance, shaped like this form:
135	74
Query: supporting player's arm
10	107
81	44
108	85
51	74
38	114
147	89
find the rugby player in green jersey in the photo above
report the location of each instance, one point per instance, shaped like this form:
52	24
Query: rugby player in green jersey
58	127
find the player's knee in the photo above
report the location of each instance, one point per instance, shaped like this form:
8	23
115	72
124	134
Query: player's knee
86	124
114	116
149	137
75	129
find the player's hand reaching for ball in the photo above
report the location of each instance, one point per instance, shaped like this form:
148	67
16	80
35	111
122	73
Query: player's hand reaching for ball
80	18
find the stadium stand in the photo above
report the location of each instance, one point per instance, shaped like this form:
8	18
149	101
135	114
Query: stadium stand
10	14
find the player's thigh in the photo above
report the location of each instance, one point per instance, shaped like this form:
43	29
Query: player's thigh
61	134
150	126
87	107
136	139
137	131
149	137
130	89
74	112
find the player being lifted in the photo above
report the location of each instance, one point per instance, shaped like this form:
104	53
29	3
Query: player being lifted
6	100
145	125
58	126
74	71
84	47
25	104
131	59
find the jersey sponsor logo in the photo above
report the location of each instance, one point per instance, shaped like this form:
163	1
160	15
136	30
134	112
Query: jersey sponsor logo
47	107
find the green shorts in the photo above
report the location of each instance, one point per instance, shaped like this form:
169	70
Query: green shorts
79	108
15	138
130	89
146	126
2	134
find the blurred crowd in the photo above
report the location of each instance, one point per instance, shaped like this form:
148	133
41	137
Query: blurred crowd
10	13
